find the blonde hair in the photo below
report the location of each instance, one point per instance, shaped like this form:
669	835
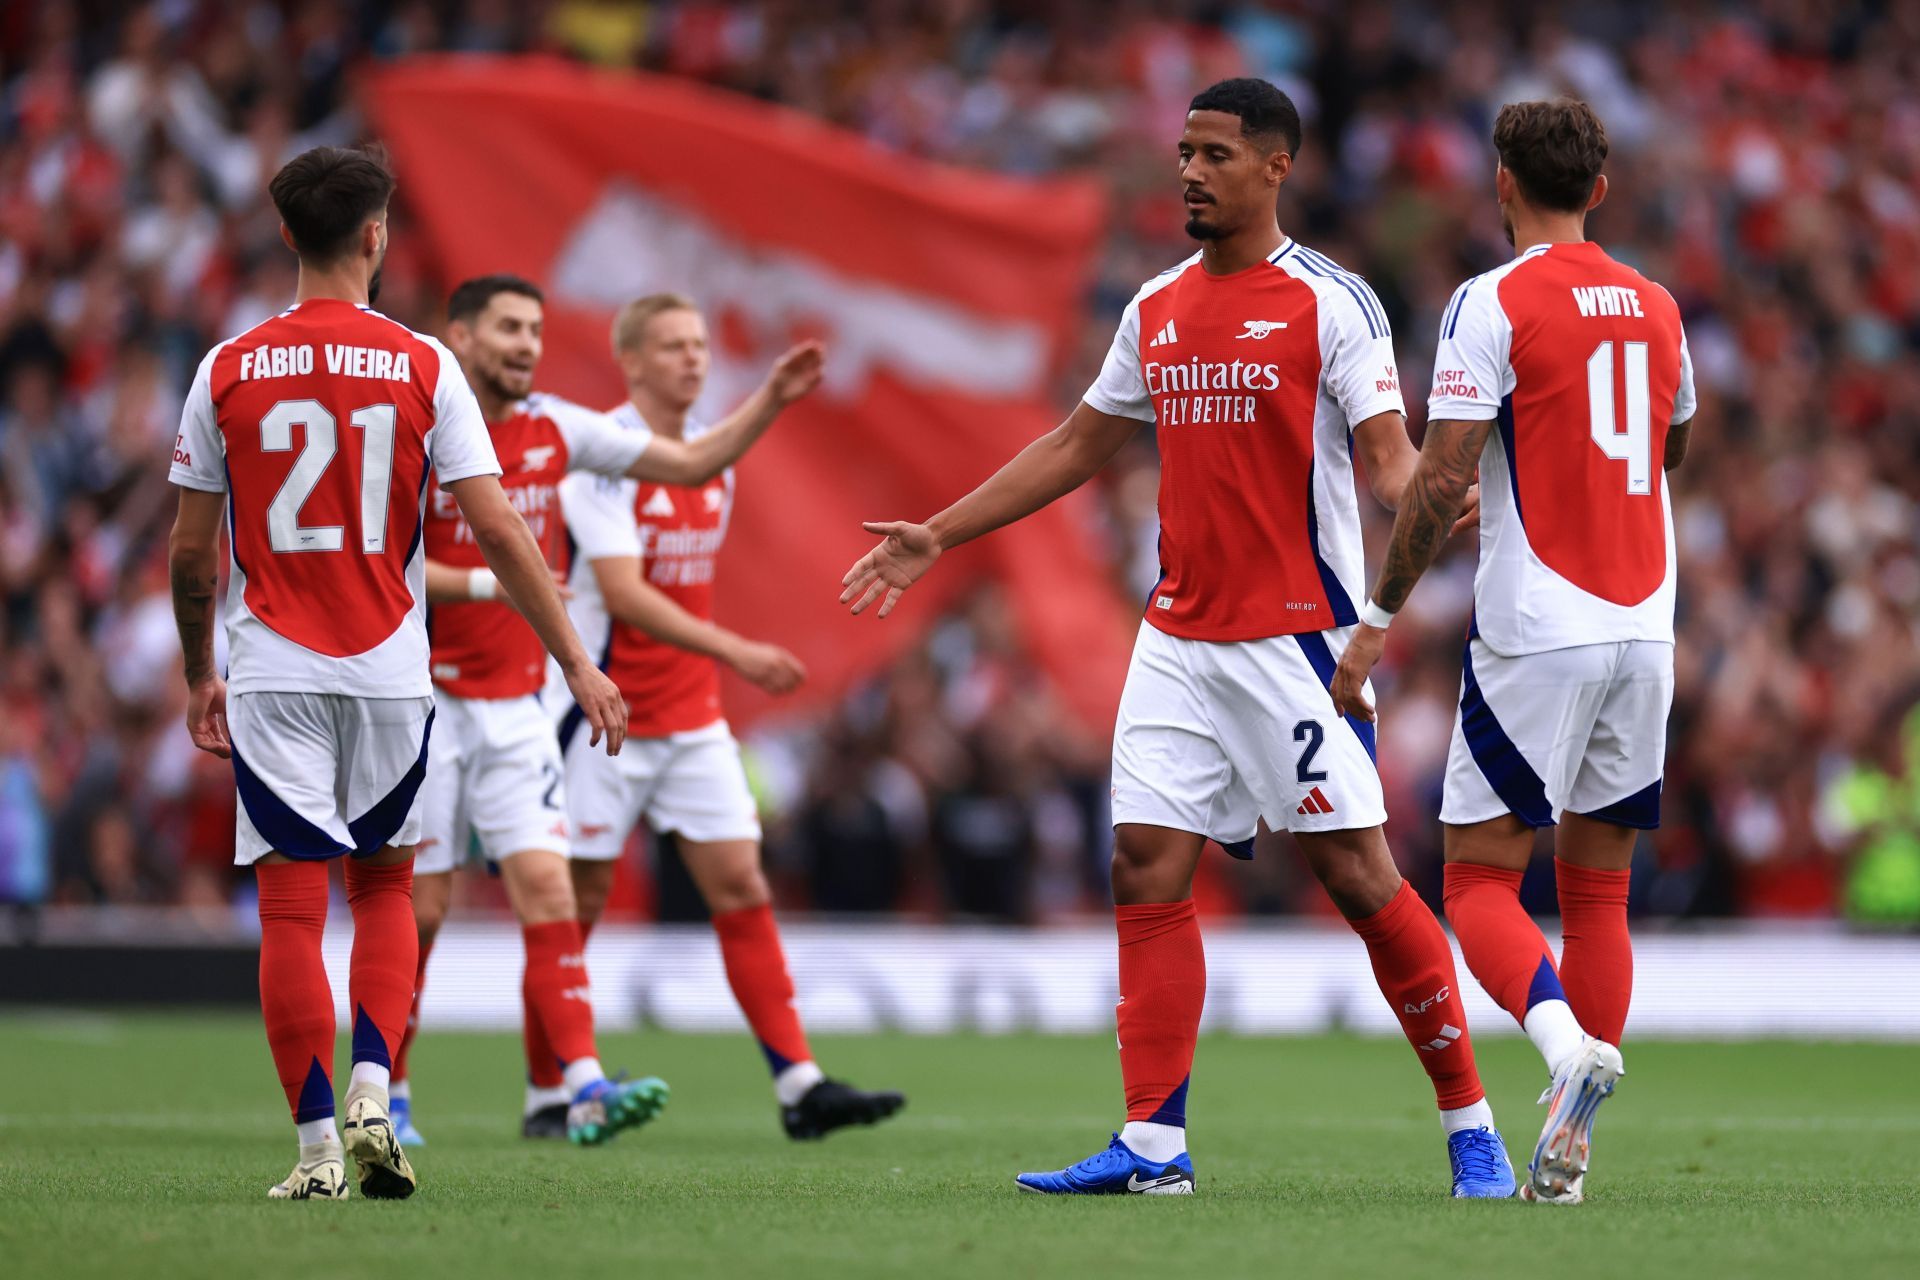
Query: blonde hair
630	323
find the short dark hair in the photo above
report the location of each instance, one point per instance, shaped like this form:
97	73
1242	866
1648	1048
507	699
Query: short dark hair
470	297
327	194
1554	150
1267	116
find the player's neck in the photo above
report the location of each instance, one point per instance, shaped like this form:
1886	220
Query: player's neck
338	285
492	407
661	419
1240	250
1530	229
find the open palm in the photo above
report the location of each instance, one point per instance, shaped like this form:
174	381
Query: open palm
905	552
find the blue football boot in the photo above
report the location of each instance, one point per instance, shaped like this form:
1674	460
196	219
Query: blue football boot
1117	1171
401	1109
1481	1170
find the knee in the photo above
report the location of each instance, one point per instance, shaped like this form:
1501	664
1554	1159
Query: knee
1360	887
429	911
546	895
592	883
1146	871
738	888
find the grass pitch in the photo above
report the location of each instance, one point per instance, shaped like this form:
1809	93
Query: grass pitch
144	1145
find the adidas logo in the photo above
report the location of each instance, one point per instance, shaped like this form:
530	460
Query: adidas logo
660	504
1316	802
1166	337
1448	1034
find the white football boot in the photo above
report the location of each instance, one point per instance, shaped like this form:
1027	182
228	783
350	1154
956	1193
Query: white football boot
320	1175
385	1171
1558	1171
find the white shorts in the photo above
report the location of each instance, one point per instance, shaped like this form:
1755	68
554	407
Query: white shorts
493	780
324	774
1581	730
1213	737
692	784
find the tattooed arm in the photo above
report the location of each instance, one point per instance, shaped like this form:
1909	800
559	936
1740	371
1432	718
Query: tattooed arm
193	558
1434	498
1678	436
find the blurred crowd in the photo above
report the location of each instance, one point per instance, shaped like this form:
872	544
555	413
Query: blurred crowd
1765	167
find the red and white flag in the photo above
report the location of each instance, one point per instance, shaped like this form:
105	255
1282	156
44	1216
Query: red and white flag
945	297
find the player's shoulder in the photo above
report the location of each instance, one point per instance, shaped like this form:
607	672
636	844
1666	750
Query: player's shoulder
1168	277
1482	293
626	417
1342	292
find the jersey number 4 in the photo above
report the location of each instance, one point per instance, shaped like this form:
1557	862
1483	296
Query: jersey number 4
284	530
1630	442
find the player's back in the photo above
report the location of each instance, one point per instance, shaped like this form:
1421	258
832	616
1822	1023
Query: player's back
1583	362
321	424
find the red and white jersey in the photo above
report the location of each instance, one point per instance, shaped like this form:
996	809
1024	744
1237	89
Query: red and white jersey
675	531
320	425
484	648
1584	364
1254	382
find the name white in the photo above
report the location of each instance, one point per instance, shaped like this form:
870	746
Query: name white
1607	300
342	361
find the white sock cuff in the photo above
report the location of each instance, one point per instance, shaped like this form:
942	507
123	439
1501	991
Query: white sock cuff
1475	1115
580	1073
792	1083
1158	1143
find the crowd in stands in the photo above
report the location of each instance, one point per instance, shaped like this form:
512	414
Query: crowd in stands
1765	167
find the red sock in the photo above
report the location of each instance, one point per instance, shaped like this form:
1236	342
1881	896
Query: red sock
1163	984
544	1068
558	1000
1414	966
413	1015
1503	946
295	999
757	972
1596	954
386	956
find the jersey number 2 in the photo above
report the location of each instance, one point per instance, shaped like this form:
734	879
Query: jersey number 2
284	530
1631	441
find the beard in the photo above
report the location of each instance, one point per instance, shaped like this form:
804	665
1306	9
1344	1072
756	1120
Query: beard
1506	227
1199	230
373	286
498	387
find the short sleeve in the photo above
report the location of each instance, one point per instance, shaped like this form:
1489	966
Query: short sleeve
596	442
1356	348
599	515
199	451
1470	369
1684	401
460	444
1121	388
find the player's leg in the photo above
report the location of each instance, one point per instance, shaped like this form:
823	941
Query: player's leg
1517	744
1314	775
383	762
1171	785
1615	797
444	834
284	761
727	873
518	805
432	895
700	794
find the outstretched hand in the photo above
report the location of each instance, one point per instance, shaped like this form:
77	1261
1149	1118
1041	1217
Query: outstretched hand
1356	664
796	373
907	551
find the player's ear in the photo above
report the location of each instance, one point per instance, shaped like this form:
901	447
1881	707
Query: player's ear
1502	183
1599	193
1279	165
286	238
